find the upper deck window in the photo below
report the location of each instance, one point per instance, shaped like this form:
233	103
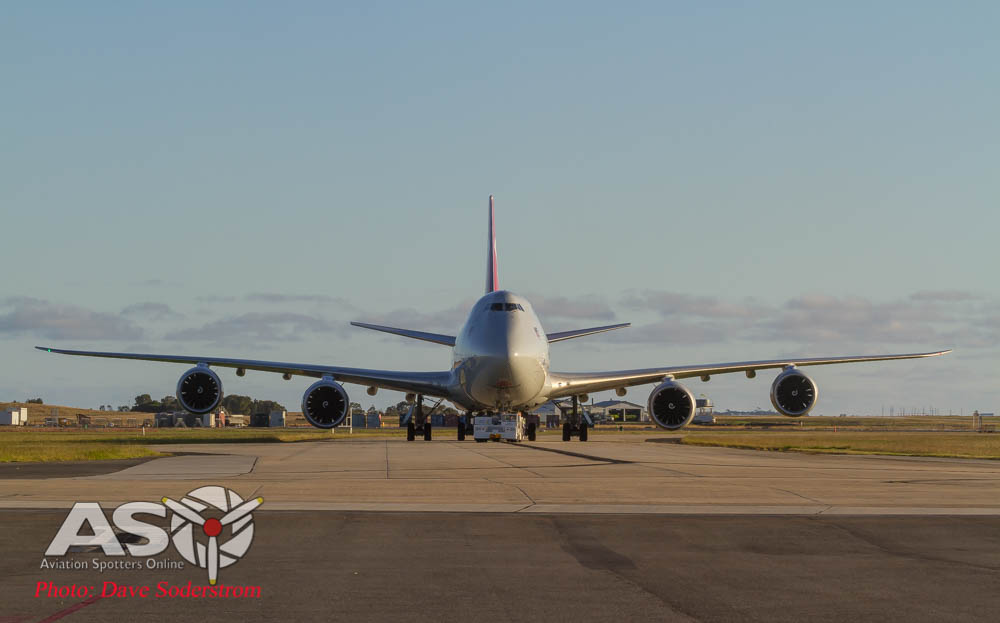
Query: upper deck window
496	307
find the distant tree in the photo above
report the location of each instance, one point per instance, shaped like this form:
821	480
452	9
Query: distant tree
34	401
170	403
142	399
237	404
266	406
153	406
123	408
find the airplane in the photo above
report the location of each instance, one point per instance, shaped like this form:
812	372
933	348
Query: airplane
500	364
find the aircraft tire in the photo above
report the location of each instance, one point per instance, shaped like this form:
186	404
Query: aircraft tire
531	432
583	432
461	432
411	432
567	432
427	431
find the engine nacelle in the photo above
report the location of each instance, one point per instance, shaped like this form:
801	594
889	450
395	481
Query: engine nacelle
671	405
793	393
199	390
325	404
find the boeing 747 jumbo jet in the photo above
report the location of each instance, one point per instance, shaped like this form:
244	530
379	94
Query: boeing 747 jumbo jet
500	363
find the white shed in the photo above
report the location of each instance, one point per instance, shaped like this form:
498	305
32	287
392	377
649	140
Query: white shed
15	416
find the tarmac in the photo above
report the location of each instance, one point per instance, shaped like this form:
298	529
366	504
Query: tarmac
615	528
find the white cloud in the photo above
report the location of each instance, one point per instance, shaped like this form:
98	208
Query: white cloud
944	295
282	299
586	307
254	328
151	311
935	319
29	316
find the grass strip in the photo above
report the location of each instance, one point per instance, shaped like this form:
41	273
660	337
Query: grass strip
956	445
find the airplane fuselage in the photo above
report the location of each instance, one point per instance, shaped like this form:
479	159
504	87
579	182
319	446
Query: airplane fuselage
501	356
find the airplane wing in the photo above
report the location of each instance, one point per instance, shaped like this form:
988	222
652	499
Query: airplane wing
430	383
569	335
575	383
437	338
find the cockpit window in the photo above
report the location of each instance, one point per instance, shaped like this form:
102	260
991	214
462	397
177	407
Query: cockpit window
506	307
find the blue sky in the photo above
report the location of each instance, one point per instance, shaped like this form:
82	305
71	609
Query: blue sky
739	181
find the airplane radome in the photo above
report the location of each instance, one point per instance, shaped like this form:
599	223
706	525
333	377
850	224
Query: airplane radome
500	363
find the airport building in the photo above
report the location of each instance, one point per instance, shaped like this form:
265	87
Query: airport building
553	413
620	411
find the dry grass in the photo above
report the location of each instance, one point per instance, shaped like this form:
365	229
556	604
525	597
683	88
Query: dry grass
949	444
873	423
48	452
33	444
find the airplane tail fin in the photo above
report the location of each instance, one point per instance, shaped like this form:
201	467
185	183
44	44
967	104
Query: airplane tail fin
492	279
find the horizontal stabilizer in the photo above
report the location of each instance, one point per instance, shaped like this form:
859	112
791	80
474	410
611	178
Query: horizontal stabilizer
437	338
569	335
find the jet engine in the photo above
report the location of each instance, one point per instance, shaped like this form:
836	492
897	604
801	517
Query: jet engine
793	393
671	405
325	403
199	390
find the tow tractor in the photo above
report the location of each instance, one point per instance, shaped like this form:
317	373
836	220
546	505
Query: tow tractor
500	427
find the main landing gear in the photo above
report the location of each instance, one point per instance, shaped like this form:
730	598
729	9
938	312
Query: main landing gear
576	425
465	424
420	422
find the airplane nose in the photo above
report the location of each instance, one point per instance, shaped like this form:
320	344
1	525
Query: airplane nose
513	371
506	371
507	377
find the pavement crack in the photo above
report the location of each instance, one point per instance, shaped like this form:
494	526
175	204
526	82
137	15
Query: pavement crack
579	455
896	551
510	484
501	461
804	497
590	552
669	470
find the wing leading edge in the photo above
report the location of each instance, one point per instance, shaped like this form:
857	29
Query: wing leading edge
430	383
570	383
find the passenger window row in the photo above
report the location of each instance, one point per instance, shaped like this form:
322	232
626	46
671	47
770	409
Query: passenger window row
506	307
